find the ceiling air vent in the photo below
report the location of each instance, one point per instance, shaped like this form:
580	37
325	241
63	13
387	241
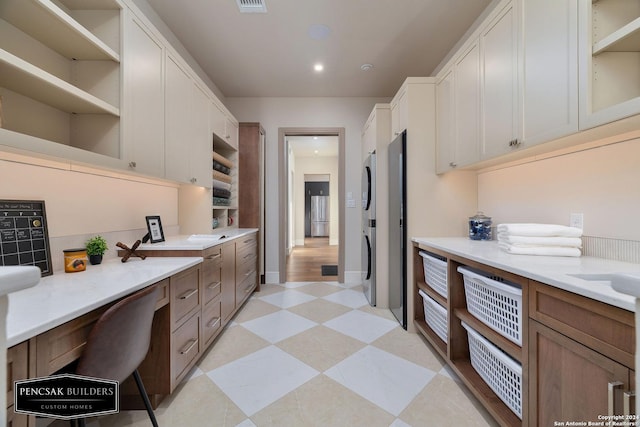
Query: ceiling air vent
252	6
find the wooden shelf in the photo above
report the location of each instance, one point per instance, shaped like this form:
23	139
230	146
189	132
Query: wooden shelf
484	394
439	345
221	177
509	347
53	27
432	293
22	77
626	39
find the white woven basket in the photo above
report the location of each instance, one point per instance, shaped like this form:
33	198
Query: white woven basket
496	304
435	273
435	315
497	369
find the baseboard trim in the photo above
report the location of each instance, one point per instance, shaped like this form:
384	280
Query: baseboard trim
352	277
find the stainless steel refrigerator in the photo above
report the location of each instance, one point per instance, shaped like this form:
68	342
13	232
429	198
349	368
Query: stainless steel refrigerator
397	228
319	216
369	229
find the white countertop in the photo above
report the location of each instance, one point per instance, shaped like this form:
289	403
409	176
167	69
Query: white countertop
552	271
63	296
196	242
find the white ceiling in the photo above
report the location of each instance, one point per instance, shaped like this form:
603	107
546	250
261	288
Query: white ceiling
306	146
272	54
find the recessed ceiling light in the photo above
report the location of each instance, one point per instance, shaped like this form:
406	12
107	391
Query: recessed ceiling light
366	67
315	137
315	152
318	67
319	32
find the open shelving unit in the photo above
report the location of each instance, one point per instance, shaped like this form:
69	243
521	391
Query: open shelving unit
455	351
60	74
611	74
227	155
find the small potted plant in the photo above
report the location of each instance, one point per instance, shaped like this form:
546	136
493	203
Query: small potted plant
96	247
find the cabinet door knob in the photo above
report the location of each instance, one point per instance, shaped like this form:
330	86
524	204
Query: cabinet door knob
132	164
453	164
193	180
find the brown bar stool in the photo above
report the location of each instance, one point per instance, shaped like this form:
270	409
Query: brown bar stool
119	342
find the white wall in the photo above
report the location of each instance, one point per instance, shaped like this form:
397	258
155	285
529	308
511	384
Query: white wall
602	183
81	202
274	113
317	166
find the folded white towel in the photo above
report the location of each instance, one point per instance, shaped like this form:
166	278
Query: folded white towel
574	242
540	250
539	230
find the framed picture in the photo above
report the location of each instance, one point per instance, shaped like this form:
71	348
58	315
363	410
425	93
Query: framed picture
154	226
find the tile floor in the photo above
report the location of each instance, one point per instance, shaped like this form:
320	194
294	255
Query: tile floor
315	354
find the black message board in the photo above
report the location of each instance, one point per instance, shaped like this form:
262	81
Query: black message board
24	238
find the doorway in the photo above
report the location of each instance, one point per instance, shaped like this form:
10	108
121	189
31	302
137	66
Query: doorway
311	255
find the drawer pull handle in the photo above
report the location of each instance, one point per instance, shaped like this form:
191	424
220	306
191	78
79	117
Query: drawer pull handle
247	256
193	342
248	240
189	294
213	323
246	291
246	274
626	402
611	392
216	256
214	285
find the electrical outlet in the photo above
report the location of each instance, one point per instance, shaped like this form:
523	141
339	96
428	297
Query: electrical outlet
577	220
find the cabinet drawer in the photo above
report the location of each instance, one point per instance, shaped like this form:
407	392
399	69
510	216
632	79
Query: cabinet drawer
244	269
62	345
17	367
212	290
211	279
163	293
186	346
602	327
246	246
244	289
212	257
211	321
185	294
16	420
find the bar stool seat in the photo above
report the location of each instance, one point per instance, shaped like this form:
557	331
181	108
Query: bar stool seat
119	342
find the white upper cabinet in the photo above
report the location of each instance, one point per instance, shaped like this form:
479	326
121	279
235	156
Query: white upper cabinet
399	113
445	131
188	141
549	69
202	139
609	55
143	99
466	95
499	70
177	120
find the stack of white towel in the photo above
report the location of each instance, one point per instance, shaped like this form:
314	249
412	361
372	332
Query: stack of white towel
540	239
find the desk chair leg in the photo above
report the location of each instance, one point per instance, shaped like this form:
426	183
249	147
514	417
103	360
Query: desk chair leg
145	397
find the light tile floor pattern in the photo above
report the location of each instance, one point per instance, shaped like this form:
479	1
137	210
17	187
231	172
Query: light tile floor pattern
315	354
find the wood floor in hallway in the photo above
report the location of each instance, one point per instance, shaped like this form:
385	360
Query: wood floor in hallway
305	262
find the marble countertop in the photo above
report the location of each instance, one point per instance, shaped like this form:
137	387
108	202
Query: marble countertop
554	271
197	242
63	296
